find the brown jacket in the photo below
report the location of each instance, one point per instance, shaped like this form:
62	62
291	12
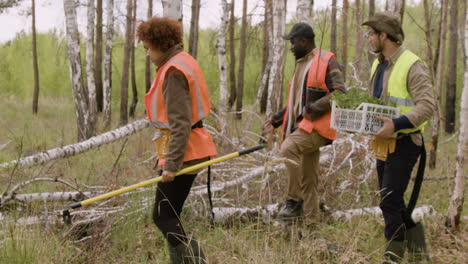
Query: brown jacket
419	87
179	112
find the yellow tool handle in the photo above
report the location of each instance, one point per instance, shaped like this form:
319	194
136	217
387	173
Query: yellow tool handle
158	179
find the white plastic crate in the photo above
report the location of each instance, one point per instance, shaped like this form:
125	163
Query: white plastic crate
362	119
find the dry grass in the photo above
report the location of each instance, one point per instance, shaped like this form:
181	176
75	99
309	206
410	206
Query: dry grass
130	236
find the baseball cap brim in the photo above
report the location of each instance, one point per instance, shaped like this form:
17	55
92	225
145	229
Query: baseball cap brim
288	36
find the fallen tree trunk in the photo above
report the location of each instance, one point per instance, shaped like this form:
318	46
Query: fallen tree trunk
266	213
54	196
74	149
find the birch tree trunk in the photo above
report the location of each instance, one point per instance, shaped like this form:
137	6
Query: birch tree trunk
304	11
438	87
242	52
370	55
222	64
172	9
194	28
90	71
132	63
428	33
98	57
359	39
148	68
126	64
333	28
456	202
344	39
108	63
232	57
276	72
74	149
34	54
262	93
451	90
73	45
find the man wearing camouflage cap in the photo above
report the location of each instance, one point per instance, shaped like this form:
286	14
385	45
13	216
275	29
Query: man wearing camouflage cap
401	77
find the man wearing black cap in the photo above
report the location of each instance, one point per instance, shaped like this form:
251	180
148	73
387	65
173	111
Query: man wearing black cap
401	77
306	122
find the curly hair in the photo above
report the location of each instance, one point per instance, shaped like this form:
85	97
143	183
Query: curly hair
160	33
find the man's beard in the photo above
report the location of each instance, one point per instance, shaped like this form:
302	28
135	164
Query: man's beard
373	49
300	53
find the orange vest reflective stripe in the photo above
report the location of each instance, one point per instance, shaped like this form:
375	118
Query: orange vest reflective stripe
315	78
200	143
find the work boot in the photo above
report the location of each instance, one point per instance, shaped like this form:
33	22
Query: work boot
187	253
291	209
417	244
394	252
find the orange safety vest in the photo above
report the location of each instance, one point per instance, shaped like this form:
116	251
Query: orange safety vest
200	143
315	78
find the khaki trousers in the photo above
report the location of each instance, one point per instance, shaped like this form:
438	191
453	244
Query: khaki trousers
303	149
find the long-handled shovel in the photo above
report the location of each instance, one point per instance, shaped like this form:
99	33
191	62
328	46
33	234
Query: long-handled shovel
66	213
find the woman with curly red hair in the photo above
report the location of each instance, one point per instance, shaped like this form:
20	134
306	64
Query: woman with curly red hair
176	104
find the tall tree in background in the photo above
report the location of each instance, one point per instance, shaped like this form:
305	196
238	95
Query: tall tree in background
35	64
333	28
262	94
451	91
370	55
98	56
108	63
173	9
359	39
232	57
194	28
148	70
126	63
344	38
73	47
428	34
438	86
222	65
304	11
396	7
90	68
456	202
275	84
243	47
132	64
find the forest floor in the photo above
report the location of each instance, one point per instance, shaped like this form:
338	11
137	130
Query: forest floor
129	235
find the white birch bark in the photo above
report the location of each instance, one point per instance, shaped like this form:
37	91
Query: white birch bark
74	149
90	72
107	63
222	64
266	213
73	44
456	202
266	71
172	9
304	11
438	86
54	196
276	72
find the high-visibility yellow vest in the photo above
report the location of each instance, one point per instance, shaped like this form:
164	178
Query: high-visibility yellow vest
397	89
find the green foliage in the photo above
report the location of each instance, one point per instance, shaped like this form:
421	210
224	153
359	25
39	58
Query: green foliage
354	97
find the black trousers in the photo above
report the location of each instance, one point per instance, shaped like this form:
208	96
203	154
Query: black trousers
170	198
394	175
